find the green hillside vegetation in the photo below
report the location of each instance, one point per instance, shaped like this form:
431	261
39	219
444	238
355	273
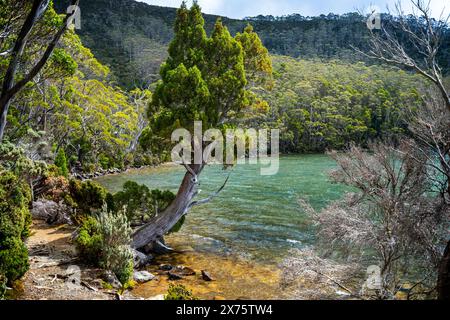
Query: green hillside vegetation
326	105
132	37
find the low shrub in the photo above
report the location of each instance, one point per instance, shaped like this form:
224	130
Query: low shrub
104	242
2	286
15	221
179	292
89	241
116	254
88	196
55	189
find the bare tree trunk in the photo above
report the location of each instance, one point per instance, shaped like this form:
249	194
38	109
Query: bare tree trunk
165	221
444	276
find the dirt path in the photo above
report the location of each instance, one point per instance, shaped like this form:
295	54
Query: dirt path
55	273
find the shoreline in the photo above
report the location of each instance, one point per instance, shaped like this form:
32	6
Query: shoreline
52	255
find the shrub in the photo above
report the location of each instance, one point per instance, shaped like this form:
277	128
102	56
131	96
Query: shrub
141	203
104	241
55	189
88	196
116	254
179	292
2	286
89	241
61	163
15	221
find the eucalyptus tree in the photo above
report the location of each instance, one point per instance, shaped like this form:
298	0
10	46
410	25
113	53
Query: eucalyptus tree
21	68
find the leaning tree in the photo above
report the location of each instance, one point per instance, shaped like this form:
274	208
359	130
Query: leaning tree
414	42
204	79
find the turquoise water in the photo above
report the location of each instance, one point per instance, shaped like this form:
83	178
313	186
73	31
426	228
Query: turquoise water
255	217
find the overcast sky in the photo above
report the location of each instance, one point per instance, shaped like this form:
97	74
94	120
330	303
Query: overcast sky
245	8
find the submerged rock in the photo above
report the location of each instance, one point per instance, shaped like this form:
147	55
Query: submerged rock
207	276
185	271
143	276
175	276
179	272
165	267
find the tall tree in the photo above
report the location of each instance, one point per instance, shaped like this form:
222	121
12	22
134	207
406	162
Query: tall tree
204	79
11	86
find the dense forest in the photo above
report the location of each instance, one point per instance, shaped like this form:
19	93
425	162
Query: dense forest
123	33
79	104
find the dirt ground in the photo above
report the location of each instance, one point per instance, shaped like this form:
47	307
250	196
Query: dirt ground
55	273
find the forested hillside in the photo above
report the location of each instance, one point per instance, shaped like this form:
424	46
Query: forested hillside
132	37
326	105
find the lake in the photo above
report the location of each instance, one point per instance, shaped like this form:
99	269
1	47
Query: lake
255	217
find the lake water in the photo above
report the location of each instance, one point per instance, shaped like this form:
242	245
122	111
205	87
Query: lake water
256	217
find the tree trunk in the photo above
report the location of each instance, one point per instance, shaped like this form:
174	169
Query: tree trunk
444	275
4	107
165	221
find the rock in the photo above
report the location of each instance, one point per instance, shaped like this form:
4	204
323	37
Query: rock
184	271
158	297
142	276
219	298
53	213
110	277
175	276
207	276
179	272
140	259
165	267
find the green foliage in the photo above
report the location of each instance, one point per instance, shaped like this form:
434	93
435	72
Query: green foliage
179	292
2	286
89	241
116	254
319	106
74	103
104	241
61	163
64	61
15	221
141	204
203	79
89	196
14	159
125	39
